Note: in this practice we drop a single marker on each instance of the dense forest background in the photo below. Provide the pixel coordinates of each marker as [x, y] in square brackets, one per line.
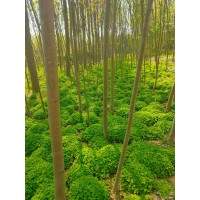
[94, 127]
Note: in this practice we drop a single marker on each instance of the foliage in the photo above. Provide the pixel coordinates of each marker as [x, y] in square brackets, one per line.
[38, 128]
[93, 130]
[32, 142]
[139, 105]
[139, 131]
[146, 117]
[37, 171]
[116, 120]
[45, 191]
[164, 125]
[70, 109]
[97, 142]
[154, 107]
[43, 153]
[39, 115]
[71, 149]
[80, 126]
[148, 197]
[132, 197]
[155, 133]
[76, 172]
[154, 158]
[93, 118]
[135, 178]
[116, 133]
[163, 188]
[88, 158]
[76, 118]
[123, 112]
[69, 100]
[88, 187]
[69, 131]
[107, 161]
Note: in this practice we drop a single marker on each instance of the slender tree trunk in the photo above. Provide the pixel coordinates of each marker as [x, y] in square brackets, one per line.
[47, 21]
[67, 41]
[172, 133]
[71, 9]
[30, 56]
[172, 93]
[134, 95]
[27, 107]
[105, 78]
[112, 56]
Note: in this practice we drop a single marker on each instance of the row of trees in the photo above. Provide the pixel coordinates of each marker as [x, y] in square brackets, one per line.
[82, 41]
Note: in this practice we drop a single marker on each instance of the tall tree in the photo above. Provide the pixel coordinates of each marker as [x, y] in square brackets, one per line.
[49, 45]
[67, 41]
[172, 93]
[30, 55]
[105, 62]
[134, 94]
[172, 133]
[75, 59]
[112, 56]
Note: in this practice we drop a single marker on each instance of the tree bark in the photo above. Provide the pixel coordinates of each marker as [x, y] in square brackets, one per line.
[29, 55]
[172, 93]
[105, 60]
[48, 36]
[172, 133]
[112, 57]
[134, 95]
[67, 41]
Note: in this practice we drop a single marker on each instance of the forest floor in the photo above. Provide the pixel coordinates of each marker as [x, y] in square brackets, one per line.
[91, 160]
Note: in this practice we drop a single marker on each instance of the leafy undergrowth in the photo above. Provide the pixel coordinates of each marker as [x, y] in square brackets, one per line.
[91, 160]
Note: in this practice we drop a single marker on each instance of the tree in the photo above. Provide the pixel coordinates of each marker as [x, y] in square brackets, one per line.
[112, 56]
[67, 41]
[49, 45]
[75, 59]
[30, 55]
[172, 93]
[172, 133]
[105, 62]
[134, 95]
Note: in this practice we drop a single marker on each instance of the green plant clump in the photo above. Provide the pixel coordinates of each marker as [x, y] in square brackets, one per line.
[45, 191]
[123, 112]
[71, 149]
[153, 157]
[88, 187]
[97, 142]
[116, 133]
[136, 179]
[38, 128]
[32, 142]
[132, 197]
[93, 130]
[37, 171]
[39, 115]
[76, 118]
[163, 188]
[93, 118]
[76, 172]
[107, 161]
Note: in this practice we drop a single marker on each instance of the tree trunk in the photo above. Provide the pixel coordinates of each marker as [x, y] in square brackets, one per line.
[67, 41]
[112, 57]
[172, 133]
[47, 21]
[105, 60]
[134, 95]
[30, 56]
[172, 93]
